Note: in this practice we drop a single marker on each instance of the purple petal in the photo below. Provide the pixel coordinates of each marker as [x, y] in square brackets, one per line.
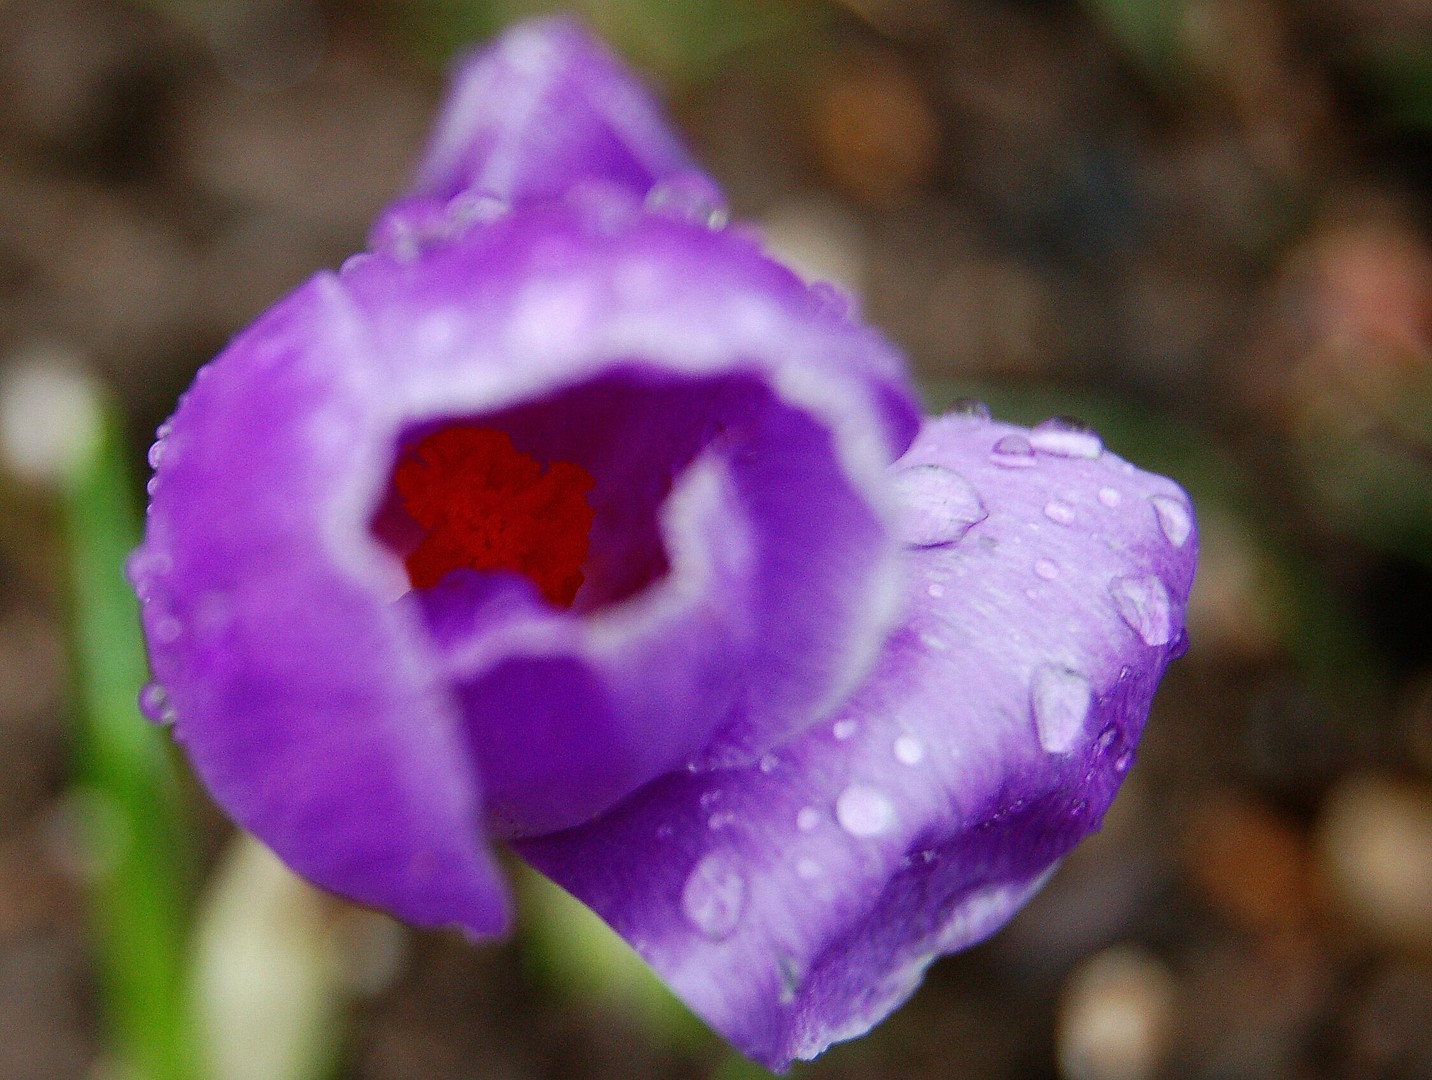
[741, 576]
[795, 902]
[542, 108]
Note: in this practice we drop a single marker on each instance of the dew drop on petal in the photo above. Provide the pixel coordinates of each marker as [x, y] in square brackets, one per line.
[154, 703]
[714, 895]
[807, 869]
[938, 505]
[1065, 437]
[768, 763]
[1013, 452]
[971, 409]
[1048, 569]
[832, 299]
[156, 452]
[936, 590]
[789, 970]
[1059, 698]
[168, 630]
[909, 750]
[1110, 497]
[689, 197]
[1123, 761]
[1061, 513]
[863, 811]
[1144, 604]
[807, 819]
[1174, 519]
[843, 729]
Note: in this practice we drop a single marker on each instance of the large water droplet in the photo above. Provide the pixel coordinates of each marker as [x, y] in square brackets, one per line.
[1059, 698]
[863, 811]
[1064, 436]
[154, 703]
[1061, 513]
[689, 197]
[938, 505]
[156, 452]
[1174, 519]
[1110, 497]
[1144, 604]
[1013, 452]
[714, 895]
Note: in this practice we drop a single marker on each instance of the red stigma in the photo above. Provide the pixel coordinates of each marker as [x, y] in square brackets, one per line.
[485, 505]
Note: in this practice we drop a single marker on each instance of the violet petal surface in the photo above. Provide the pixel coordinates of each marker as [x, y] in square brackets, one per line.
[796, 901]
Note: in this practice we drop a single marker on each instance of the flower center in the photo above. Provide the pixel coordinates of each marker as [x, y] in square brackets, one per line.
[485, 505]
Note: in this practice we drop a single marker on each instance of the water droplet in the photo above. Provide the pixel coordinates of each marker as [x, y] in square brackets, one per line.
[664, 832]
[843, 729]
[768, 763]
[970, 408]
[1065, 436]
[832, 299]
[1061, 513]
[709, 798]
[807, 869]
[1013, 452]
[151, 485]
[863, 811]
[156, 452]
[1059, 698]
[1077, 809]
[909, 750]
[788, 968]
[1048, 569]
[168, 630]
[807, 819]
[1106, 738]
[933, 642]
[1174, 519]
[1110, 497]
[720, 819]
[936, 590]
[154, 703]
[1143, 602]
[353, 262]
[689, 197]
[938, 505]
[714, 895]
[1123, 761]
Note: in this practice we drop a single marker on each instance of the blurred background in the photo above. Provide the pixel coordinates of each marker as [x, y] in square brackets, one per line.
[1202, 225]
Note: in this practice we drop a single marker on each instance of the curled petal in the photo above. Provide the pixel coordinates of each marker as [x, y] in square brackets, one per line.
[543, 108]
[741, 573]
[794, 902]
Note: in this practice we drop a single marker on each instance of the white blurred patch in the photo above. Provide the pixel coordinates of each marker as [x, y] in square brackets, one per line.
[49, 414]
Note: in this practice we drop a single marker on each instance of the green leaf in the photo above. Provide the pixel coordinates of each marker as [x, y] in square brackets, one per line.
[127, 791]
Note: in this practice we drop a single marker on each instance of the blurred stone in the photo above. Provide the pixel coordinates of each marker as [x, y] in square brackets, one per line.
[1375, 843]
[1251, 863]
[874, 132]
[1116, 1017]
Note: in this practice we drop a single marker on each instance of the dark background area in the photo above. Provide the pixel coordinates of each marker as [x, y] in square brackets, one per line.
[1200, 224]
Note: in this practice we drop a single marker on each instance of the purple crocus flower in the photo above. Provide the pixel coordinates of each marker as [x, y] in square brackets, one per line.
[568, 517]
